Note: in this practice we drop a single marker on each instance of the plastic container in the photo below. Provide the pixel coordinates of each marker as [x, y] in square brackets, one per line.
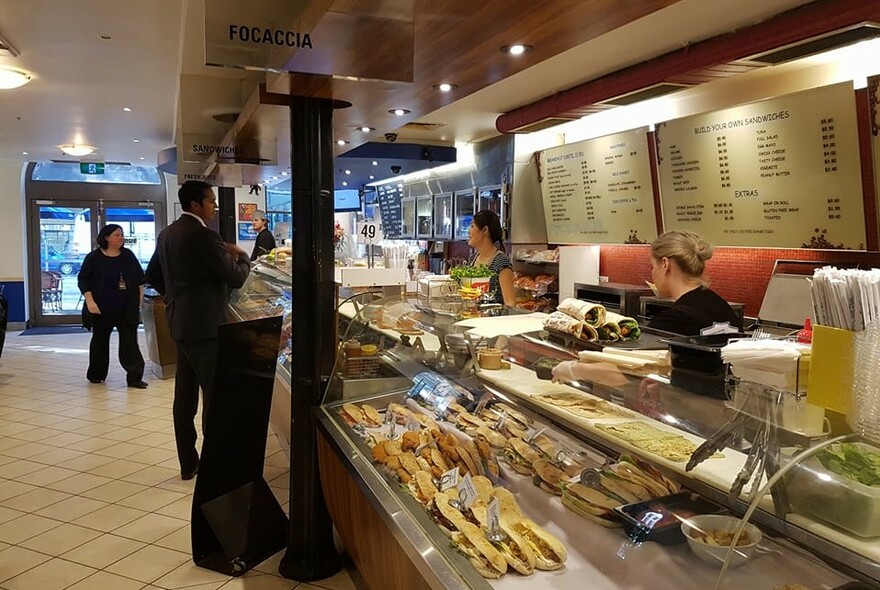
[660, 519]
[835, 499]
[717, 554]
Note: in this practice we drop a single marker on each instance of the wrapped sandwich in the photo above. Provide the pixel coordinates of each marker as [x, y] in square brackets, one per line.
[625, 327]
[514, 548]
[472, 543]
[591, 313]
[548, 476]
[566, 324]
[520, 456]
[591, 503]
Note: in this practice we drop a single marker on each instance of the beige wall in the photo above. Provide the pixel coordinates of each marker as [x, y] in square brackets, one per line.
[11, 222]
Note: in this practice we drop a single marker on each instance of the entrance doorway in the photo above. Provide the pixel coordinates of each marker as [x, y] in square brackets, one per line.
[63, 233]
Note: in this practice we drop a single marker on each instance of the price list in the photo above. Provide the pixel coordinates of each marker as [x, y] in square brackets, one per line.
[782, 172]
[599, 190]
[389, 209]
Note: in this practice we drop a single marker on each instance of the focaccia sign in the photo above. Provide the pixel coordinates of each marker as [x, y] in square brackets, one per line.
[305, 36]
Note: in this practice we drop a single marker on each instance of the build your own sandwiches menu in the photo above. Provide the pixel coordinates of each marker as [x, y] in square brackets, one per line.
[782, 172]
[599, 191]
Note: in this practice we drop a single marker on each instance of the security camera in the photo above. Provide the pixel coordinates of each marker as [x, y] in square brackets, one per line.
[390, 137]
[395, 169]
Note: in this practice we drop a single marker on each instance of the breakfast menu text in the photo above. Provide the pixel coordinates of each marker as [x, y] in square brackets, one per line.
[599, 191]
[779, 173]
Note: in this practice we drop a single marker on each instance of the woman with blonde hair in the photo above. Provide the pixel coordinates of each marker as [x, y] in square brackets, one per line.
[678, 259]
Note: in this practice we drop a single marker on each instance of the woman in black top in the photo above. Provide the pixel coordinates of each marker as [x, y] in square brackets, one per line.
[485, 236]
[112, 282]
[678, 259]
[265, 240]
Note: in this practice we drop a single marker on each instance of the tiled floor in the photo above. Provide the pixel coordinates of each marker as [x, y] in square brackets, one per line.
[90, 493]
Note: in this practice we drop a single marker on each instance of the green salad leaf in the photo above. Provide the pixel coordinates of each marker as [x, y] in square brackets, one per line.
[470, 272]
[853, 462]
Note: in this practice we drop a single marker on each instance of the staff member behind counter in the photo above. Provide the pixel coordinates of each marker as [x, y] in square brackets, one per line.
[485, 236]
[678, 259]
[265, 240]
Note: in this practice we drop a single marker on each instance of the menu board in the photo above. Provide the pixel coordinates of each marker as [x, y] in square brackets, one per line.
[388, 196]
[599, 191]
[782, 172]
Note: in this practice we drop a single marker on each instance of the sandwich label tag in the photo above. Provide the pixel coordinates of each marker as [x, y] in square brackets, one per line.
[493, 517]
[467, 491]
[449, 479]
[412, 424]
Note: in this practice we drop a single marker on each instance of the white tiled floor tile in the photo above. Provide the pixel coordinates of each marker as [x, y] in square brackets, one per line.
[211, 586]
[121, 450]
[71, 508]
[79, 483]
[154, 439]
[149, 563]
[257, 581]
[117, 469]
[109, 517]
[88, 462]
[270, 566]
[341, 581]
[152, 456]
[26, 450]
[125, 434]
[151, 499]
[113, 491]
[179, 508]
[179, 540]
[103, 551]
[7, 514]
[19, 467]
[60, 539]
[15, 560]
[24, 527]
[57, 456]
[106, 581]
[150, 527]
[150, 476]
[178, 485]
[46, 476]
[189, 574]
[55, 574]
[34, 500]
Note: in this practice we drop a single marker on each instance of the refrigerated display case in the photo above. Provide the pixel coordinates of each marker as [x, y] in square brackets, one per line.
[574, 457]
[464, 213]
[443, 216]
[407, 218]
[490, 198]
[425, 217]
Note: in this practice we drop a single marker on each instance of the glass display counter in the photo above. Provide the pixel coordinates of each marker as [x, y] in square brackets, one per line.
[579, 481]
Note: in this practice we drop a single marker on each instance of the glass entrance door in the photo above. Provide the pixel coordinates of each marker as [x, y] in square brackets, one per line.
[63, 233]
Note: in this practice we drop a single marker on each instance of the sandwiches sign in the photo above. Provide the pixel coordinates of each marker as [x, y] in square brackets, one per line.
[304, 36]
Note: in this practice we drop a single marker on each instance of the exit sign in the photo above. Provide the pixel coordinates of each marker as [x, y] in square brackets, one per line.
[91, 167]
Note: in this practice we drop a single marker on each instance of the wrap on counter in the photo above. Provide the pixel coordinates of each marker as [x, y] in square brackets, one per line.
[627, 328]
[608, 332]
[561, 322]
[591, 313]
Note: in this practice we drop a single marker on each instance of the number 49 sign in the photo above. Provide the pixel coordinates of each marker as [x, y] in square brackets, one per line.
[368, 232]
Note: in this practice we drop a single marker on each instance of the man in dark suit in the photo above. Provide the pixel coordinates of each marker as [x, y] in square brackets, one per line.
[195, 269]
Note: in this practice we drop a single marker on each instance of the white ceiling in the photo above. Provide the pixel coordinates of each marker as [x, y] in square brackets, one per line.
[81, 82]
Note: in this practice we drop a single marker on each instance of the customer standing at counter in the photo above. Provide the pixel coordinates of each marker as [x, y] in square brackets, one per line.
[112, 283]
[485, 236]
[195, 269]
[678, 259]
[265, 240]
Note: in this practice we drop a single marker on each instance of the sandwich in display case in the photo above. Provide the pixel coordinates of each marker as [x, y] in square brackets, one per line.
[480, 452]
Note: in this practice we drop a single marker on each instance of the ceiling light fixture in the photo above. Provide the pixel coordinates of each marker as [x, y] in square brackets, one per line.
[136, 140]
[445, 87]
[348, 171]
[516, 49]
[375, 163]
[10, 78]
[105, 37]
[24, 153]
[126, 109]
[77, 150]
[341, 142]
[400, 112]
[366, 129]
[344, 183]
[372, 177]
[285, 173]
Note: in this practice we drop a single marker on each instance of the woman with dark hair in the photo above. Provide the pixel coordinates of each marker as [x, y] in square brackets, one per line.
[485, 237]
[112, 283]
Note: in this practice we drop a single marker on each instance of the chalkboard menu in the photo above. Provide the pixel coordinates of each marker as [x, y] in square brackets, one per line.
[782, 172]
[389, 208]
[599, 191]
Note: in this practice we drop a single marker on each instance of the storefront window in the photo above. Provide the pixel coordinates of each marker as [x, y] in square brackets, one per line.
[112, 173]
[278, 204]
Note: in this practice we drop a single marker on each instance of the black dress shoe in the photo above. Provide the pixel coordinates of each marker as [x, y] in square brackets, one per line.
[95, 380]
[139, 384]
[188, 475]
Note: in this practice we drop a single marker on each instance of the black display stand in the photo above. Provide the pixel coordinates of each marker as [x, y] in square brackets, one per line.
[236, 520]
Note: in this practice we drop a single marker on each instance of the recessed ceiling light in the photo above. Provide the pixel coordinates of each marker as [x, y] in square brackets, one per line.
[136, 140]
[105, 37]
[285, 173]
[126, 109]
[372, 177]
[341, 142]
[400, 112]
[516, 49]
[24, 153]
[445, 87]
[142, 158]
[367, 129]
[348, 171]
[344, 183]
[375, 163]
[10, 79]
[77, 150]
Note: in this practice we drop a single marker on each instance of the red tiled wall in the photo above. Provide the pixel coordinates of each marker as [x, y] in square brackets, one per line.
[737, 274]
